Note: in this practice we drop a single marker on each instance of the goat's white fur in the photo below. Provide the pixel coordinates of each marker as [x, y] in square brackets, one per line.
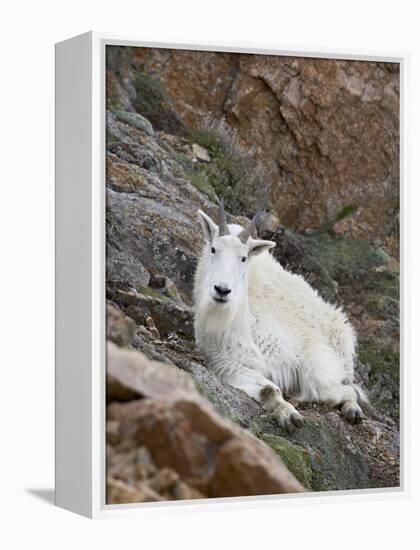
[275, 333]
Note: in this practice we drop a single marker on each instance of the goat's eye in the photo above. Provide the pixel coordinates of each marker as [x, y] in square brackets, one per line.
[243, 259]
[213, 250]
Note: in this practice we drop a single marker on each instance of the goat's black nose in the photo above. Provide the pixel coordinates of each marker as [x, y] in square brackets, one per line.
[222, 290]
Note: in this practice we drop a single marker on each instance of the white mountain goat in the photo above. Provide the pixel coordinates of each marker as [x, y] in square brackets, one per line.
[266, 331]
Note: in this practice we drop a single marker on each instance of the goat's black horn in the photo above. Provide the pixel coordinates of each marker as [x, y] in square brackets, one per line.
[223, 228]
[246, 231]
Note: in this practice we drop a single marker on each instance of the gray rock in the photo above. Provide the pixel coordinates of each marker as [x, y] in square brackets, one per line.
[230, 402]
[138, 121]
[167, 314]
[200, 153]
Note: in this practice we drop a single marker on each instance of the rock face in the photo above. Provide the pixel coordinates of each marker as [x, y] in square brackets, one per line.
[182, 439]
[324, 135]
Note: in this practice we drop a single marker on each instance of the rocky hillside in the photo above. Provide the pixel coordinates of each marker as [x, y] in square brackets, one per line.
[165, 159]
[322, 134]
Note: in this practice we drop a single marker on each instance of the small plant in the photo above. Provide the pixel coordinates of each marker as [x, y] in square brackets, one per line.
[232, 173]
[116, 59]
[346, 212]
[201, 183]
[153, 102]
[208, 138]
[328, 226]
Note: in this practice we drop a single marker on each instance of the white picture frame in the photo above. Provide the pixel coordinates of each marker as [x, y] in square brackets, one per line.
[80, 277]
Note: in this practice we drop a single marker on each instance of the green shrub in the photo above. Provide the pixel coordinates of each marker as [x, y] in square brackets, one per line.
[201, 183]
[232, 173]
[208, 138]
[153, 102]
[328, 225]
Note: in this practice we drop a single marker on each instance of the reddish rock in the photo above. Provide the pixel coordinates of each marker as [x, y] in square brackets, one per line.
[183, 431]
[120, 329]
[130, 374]
[119, 492]
[324, 131]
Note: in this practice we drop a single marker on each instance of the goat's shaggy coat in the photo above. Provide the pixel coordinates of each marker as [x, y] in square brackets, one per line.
[267, 331]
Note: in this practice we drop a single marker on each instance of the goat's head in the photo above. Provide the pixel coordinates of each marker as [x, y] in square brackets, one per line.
[227, 254]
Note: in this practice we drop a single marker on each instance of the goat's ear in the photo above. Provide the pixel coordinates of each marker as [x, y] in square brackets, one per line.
[208, 226]
[255, 247]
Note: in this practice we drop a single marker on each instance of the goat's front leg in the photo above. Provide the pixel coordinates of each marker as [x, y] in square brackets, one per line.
[268, 395]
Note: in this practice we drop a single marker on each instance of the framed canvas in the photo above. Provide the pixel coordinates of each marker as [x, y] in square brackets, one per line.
[229, 251]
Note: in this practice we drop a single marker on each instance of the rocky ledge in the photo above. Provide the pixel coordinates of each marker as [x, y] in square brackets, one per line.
[173, 430]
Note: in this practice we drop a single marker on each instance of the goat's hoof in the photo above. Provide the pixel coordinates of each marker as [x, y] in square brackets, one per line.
[352, 413]
[289, 420]
[289, 425]
[297, 420]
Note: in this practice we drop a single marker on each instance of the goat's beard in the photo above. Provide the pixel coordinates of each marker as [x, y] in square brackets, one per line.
[213, 306]
[216, 316]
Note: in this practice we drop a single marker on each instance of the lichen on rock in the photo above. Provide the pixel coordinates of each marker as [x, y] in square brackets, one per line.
[296, 458]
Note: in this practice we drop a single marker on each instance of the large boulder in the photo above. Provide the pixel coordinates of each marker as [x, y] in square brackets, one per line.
[182, 436]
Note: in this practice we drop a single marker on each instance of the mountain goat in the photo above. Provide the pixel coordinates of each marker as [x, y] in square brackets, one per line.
[267, 331]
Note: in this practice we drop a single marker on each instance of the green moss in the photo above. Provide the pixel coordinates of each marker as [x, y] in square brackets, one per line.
[347, 270]
[171, 293]
[384, 283]
[113, 103]
[296, 458]
[335, 263]
[261, 424]
[333, 462]
[339, 255]
[146, 291]
[383, 307]
[346, 212]
[381, 358]
[183, 159]
[168, 294]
